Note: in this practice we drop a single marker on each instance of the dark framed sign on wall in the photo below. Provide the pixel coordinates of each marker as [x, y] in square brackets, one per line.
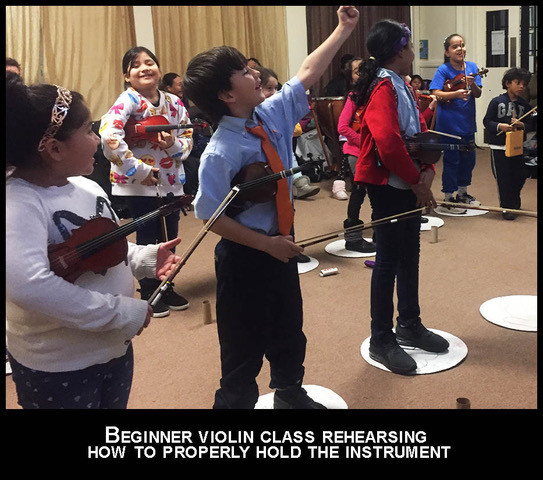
[497, 38]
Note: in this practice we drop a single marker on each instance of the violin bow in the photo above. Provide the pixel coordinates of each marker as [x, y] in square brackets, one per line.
[234, 191]
[339, 233]
[519, 119]
[488, 209]
[464, 64]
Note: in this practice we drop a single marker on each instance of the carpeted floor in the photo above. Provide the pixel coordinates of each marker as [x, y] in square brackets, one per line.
[475, 259]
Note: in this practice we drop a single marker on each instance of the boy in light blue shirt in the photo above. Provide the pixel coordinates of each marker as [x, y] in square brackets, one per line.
[259, 302]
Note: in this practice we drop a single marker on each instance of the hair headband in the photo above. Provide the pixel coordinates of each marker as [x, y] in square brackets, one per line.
[58, 114]
[402, 42]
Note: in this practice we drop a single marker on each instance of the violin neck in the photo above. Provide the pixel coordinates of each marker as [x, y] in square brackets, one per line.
[278, 175]
[164, 128]
[125, 230]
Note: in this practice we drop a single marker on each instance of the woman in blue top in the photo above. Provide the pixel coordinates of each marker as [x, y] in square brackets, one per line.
[456, 115]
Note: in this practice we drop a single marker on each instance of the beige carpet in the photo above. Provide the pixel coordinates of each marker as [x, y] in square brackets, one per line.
[475, 259]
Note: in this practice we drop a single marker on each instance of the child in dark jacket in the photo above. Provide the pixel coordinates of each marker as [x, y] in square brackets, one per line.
[502, 111]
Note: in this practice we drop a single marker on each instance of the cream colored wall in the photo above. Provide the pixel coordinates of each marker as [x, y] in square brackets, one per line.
[436, 23]
[296, 37]
[144, 27]
[295, 23]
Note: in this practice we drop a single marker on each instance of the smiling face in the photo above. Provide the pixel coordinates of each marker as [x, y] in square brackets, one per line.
[246, 92]
[456, 51]
[79, 149]
[271, 87]
[143, 74]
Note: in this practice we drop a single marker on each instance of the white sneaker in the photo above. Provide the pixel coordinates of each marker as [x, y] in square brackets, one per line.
[303, 189]
[338, 190]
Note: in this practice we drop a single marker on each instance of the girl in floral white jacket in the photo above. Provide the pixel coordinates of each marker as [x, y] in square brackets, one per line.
[144, 168]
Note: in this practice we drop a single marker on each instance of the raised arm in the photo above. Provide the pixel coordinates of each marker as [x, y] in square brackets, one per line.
[317, 61]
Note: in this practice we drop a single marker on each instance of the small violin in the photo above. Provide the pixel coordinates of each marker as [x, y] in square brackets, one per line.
[148, 128]
[427, 147]
[100, 243]
[459, 82]
[257, 185]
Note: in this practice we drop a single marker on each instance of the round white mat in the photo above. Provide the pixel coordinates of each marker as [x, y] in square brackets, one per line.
[338, 249]
[427, 362]
[470, 212]
[324, 396]
[308, 266]
[518, 312]
[432, 222]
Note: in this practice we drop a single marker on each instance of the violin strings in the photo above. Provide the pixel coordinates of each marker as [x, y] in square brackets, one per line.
[90, 245]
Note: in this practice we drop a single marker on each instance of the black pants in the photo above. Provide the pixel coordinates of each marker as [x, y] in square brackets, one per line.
[259, 313]
[510, 175]
[396, 261]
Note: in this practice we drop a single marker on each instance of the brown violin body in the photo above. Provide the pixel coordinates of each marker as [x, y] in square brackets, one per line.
[459, 82]
[148, 128]
[250, 172]
[77, 255]
[100, 243]
[428, 146]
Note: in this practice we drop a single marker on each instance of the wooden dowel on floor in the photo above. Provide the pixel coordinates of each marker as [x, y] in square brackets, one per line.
[207, 312]
[463, 403]
[434, 234]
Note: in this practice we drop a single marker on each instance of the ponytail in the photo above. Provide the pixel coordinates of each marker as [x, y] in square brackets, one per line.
[385, 39]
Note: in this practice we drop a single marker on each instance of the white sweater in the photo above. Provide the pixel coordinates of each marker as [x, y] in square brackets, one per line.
[51, 324]
[129, 166]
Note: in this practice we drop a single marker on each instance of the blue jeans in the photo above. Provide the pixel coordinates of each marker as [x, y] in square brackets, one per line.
[105, 385]
[396, 261]
[457, 166]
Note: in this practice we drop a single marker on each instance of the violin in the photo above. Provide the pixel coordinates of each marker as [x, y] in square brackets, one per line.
[427, 146]
[459, 82]
[100, 243]
[148, 128]
[261, 175]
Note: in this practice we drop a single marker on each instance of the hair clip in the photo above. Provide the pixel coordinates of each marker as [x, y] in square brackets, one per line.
[402, 42]
[58, 114]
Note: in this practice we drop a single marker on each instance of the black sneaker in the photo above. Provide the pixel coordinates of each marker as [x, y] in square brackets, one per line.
[160, 309]
[301, 258]
[392, 356]
[354, 241]
[361, 245]
[295, 398]
[421, 337]
[508, 216]
[467, 199]
[173, 300]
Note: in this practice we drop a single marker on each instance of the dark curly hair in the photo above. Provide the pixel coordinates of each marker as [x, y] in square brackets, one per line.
[28, 114]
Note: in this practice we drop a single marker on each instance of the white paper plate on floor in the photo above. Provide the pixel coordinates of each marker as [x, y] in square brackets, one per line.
[308, 266]
[470, 212]
[427, 362]
[518, 312]
[338, 249]
[432, 222]
[324, 396]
